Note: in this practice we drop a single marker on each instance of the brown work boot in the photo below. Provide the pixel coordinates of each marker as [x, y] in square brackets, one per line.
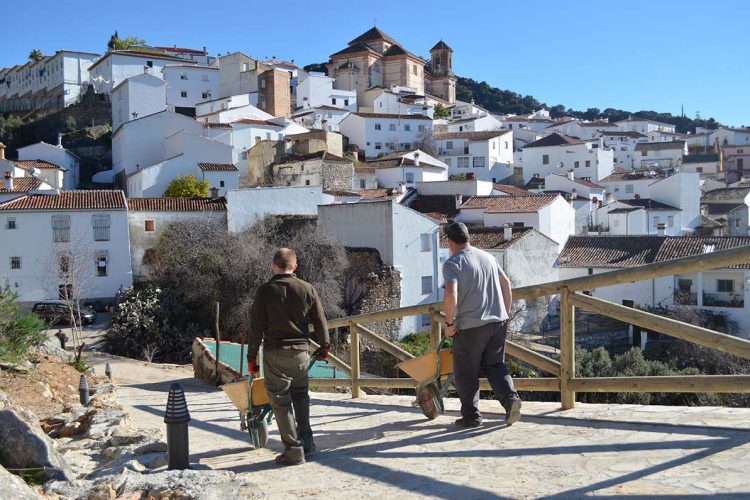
[512, 410]
[286, 460]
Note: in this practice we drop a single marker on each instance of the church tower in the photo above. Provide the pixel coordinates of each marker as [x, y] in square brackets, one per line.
[442, 81]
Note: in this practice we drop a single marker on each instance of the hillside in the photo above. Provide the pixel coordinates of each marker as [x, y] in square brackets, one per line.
[502, 101]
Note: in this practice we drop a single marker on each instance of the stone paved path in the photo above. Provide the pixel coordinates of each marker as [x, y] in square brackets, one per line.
[379, 445]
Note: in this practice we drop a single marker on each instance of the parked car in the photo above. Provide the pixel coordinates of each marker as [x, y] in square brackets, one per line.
[58, 312]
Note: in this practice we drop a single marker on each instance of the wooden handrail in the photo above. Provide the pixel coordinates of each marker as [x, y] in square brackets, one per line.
[384, 344]
[685, 331]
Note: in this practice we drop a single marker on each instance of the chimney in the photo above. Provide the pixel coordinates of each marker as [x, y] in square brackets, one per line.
[661, 229]
[59, 140]
[637, 196]
[9, 181]
[574, 194]
[571, 175]
[204, 50]
[508, 231]
[2, 151]
[416, 159]
[214, 193]
[459, 200]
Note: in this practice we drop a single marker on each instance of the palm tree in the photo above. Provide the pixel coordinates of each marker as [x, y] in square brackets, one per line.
[36, 55]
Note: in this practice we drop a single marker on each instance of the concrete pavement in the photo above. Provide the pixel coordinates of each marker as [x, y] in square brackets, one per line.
[380, 445]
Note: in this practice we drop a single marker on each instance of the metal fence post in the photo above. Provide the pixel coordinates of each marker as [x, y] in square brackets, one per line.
[108, 371]
[567, 350]
[83, 391]
[177, 417]
[354, 363]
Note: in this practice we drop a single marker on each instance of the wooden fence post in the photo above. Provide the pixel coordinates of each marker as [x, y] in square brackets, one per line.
[435, 328]
[217, 336]
[567, 350]
[354, 363]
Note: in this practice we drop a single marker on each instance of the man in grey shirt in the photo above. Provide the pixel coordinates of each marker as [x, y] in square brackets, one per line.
[477, 301]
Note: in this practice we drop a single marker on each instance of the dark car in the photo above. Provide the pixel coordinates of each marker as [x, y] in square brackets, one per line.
[58, 312]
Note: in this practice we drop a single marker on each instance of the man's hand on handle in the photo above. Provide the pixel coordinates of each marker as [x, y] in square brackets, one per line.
[450, 331]
[253, 368]
[321, 353]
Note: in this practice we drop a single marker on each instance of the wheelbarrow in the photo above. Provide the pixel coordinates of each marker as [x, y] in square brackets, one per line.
[250, 398]
[433, 373]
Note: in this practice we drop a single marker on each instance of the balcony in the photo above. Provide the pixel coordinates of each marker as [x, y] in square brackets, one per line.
[723, 299]
[685, 298]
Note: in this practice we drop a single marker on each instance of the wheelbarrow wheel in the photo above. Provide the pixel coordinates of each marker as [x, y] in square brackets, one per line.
[262, 429]
[430, 401]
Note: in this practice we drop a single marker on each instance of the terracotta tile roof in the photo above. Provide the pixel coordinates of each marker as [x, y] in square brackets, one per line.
[630, 175]
[341, 192]
[659, 146]
[471, 136]
[444, 205]
[21, 185]
[701, 158]
[395, 160]
[364, 170]
[251, 121]
[217, 167]
[650, 204]
[510, 204]
[41, 164]
[725, 194]
[216, 125]
[554, 139]
[583, 182]
[597, 124]
[69, 200]
[437, 217]
[628, 251]
[393, 117]
[516, 119]
[183, 50]
[176, 204]
[490, 238]
[508, 189]
[371, 35]
[353, 49]
[441, 45]
[375, 194]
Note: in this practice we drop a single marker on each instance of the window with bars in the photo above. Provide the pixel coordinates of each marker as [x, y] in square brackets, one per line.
[150, 225]
[15, 262]
[61, 228]
[10, 223]
[64, 265]
[101, 223]
[102, 262]
[426, 285]
[478, 161]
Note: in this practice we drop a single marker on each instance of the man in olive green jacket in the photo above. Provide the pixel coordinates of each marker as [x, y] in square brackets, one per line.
[283, 309]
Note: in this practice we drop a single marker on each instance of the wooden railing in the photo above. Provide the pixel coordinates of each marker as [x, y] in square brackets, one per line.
[563, 378]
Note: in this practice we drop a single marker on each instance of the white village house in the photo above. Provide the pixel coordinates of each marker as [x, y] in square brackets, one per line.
[486, 155]
[52, 242]
[557, 153]
[405, 168]
[376, 133]
[405, 239]
[56, 165]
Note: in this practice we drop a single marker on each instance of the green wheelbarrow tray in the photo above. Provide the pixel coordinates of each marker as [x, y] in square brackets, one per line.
[433, 373]
[250, 398]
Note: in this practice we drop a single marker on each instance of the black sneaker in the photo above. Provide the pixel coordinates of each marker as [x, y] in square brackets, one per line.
[468, 423]
[512, 411]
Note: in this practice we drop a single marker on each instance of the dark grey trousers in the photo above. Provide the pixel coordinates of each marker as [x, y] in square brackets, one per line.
[476, 351]
[287, 386]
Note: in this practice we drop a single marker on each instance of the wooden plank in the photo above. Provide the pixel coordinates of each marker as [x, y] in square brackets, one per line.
[384, 344]
[546, 384]
[354, 363]
[518, 351]
[567, 350]
[694, 263]
[681, 383]
[435, 328]
[696, 334]
[337, 362]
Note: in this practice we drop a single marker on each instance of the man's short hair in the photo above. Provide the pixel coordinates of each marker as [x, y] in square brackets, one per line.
[284, 258]
[457, 233]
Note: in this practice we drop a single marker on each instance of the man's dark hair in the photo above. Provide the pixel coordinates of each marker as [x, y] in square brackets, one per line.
[284, 258]
[457, 233]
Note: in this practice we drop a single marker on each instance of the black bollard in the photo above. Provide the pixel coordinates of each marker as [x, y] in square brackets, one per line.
[83, 391]
[108, 371]
[177, 417]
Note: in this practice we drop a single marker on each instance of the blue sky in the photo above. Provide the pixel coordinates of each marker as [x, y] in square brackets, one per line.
[630, 55]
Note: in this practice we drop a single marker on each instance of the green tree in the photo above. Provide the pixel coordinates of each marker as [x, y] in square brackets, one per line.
[187, 186]
[441, 112]
[117, 43]
[18, 332]
[36, 55]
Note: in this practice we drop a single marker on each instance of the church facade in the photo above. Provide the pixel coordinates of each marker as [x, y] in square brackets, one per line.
[374, 59]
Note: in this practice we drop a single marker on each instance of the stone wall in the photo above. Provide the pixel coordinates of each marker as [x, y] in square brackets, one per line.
[337, 175]
[371, 286]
